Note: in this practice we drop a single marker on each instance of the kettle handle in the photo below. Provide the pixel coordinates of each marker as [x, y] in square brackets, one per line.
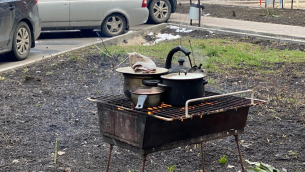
[168, 63]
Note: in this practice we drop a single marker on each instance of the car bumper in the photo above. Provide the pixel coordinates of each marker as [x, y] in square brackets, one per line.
[36, 22]
[174, 6]
[137, 16]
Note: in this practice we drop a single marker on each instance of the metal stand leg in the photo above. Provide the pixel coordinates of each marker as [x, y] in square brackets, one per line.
[241, 160]
[202, 158]
[143, 162]
[108, 163]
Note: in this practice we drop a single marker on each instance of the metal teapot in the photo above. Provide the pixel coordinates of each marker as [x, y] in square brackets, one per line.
[168, 63]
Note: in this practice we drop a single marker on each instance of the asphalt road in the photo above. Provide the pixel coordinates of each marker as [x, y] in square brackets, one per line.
[54, 42]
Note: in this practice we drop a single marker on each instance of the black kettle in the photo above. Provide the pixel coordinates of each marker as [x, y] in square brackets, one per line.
[168, 63]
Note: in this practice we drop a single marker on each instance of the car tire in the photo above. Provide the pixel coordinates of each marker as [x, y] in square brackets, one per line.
[113, 25]
[159, 11]
[22, 42]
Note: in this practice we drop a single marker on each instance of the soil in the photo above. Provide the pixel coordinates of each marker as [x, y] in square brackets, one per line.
[46, 102]
[270, 15]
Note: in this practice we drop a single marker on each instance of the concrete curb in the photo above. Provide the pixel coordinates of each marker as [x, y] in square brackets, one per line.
[107, 41]
[245, 33]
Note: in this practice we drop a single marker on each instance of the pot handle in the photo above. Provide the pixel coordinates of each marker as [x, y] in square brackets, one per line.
[141, 101]
[166, 87]
[205, 82]
[150, 82]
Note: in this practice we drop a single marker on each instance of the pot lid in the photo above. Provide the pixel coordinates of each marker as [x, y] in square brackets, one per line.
[183, 76]
[129, 70]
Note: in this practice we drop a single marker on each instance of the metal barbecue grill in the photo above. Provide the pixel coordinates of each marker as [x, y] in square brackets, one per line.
[165, 127]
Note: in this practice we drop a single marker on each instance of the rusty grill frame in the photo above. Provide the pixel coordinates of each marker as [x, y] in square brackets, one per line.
[219, 116]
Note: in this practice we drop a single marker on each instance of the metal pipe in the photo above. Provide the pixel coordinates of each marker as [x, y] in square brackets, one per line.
[199, 13]
[217, 96]
[143, 162]
[108, 163]
[240, 158]
[291, 4]
[202, 157]
[191, 21]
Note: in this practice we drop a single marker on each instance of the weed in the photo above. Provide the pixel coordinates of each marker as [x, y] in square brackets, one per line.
[212, 53]
[131, 171]
[211, 81]
[49, 73]
[292, 153]
[202, 46]
[262, 167]
[269, 12]
[171, 168]
[223, 159]
[25, 76]
[78, 59]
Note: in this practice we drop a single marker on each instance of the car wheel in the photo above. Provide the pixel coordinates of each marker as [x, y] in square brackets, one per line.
[21, 42]
[113, 25]
[159, 11]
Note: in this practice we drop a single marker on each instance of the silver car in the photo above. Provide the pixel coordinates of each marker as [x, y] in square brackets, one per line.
[112, 17]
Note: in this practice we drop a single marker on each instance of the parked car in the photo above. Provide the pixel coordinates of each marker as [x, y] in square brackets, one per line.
[112, 17]
[160, 10]
[19, 27]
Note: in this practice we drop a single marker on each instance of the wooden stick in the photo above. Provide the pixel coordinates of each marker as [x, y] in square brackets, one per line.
[56, 152]
[291, 4]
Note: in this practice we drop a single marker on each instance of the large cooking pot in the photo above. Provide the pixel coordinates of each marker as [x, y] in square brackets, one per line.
[180, 87]
[144, 97]
[134, 79]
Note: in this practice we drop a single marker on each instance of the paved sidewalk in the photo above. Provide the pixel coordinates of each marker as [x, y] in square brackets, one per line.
[246, 27]
[249, 3]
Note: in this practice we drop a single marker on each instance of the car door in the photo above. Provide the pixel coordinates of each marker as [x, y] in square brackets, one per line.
[54, 14]
[88, 12]
[7, 17]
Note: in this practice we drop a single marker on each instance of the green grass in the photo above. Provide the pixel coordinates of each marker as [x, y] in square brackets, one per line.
[267, 71]
[223, 159]
[213, 53]
[171, 168]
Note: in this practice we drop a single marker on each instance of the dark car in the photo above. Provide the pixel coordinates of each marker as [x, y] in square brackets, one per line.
[160, 10]
[19, 27]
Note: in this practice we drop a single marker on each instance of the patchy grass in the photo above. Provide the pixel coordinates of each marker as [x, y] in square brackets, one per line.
[213, 53]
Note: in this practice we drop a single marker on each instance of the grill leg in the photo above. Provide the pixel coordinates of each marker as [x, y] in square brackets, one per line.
[202, 157]
[240, 158]
[108, 163]
[143, 162]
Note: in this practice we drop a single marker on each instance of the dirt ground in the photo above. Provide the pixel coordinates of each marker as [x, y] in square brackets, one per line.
[47, 101]
[277, 15]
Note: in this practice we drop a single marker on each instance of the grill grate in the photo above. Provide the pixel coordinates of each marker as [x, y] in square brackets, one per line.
[169, 112]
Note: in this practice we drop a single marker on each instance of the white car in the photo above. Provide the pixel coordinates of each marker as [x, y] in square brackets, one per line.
[112, 17]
